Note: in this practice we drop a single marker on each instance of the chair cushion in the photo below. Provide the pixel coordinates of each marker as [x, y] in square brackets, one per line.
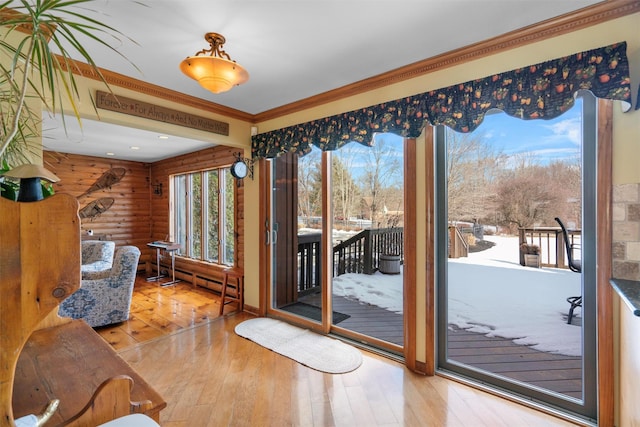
[97, 255]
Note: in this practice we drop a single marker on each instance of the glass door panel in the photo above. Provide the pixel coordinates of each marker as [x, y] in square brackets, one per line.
[296, 235]
[504, 278]
[366, 245]
[367, 239]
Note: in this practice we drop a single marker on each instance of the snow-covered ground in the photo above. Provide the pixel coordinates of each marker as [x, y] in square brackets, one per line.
[491, 293]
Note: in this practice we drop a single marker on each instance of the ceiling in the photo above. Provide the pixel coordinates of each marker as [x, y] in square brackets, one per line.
[292, 49]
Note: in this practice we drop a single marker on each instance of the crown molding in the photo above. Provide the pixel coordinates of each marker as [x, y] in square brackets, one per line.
[554, 27]
[583, 18]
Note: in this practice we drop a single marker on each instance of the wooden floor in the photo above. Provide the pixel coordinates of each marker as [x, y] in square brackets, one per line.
[209, 376]
[157, 311]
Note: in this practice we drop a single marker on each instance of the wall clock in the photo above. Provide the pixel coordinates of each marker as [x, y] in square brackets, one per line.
[239, 169]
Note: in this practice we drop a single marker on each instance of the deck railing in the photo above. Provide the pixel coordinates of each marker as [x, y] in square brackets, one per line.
[458, 245]
[309, 252]
[358, 254]
[551, 244]
[361, 253]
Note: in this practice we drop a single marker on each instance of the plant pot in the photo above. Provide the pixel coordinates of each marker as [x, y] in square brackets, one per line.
[532, 260]
[389, 264]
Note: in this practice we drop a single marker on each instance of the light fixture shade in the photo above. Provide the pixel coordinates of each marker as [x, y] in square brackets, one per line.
[213, 68]
[215, 74]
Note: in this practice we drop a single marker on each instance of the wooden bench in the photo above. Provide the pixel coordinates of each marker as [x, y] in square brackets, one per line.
[70, 362]
[45, 357]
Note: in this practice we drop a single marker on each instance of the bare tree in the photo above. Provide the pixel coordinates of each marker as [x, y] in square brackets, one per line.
[472, 167]
[309, 186]
[524, 198]
[344, 189]
[382, 171]
[566, 181]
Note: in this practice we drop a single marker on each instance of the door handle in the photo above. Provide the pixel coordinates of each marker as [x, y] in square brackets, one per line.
[274, 234]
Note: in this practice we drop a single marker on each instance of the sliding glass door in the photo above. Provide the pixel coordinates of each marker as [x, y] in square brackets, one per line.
[368, 241]
[295, 235]
[358, 190]
[505, 286]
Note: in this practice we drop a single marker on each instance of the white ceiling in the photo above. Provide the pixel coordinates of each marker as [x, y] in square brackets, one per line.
[292, 49]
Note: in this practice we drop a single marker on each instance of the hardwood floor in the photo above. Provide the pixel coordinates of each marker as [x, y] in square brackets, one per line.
[157, 311]
[209, 376]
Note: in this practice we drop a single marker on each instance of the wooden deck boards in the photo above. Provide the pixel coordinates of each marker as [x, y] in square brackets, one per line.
[559, 373]
[555, 372]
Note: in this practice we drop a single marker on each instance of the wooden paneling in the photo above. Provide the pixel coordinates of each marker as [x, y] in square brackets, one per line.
[127, 221]
[137, 215]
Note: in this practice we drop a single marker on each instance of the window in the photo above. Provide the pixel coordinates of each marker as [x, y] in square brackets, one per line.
[203, 215]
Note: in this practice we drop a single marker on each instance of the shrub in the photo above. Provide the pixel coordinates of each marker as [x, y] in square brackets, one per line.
[471, 239]
[528, 249]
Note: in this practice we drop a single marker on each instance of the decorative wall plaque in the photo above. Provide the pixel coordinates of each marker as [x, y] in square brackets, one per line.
[132, 107]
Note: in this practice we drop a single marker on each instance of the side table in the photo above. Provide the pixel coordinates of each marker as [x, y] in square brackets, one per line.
[171, 248]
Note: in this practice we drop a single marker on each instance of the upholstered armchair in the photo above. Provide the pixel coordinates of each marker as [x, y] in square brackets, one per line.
[105, 297]
[97, 255]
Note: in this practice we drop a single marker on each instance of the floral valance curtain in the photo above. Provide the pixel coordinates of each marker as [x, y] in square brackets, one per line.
[540, 91]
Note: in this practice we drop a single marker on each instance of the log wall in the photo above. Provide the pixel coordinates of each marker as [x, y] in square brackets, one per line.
[138, 215]
[127, 221]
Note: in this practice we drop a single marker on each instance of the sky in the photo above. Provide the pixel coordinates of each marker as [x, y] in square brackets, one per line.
[546, 140]
[492, 294]
[543, 140]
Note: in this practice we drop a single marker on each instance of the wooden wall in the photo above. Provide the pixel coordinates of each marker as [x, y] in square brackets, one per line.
[127, 221]
[138, 215]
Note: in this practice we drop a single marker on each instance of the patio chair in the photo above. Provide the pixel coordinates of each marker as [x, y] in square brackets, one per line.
[574, 265]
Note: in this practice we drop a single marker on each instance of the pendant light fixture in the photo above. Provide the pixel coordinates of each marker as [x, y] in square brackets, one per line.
[213, 68]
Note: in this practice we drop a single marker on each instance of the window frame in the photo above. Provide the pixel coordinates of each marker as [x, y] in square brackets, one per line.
[182, 208]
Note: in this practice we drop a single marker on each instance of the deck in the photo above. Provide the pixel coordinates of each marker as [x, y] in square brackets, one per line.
[559, 373]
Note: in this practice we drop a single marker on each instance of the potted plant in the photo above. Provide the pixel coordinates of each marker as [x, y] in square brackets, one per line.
[531, 255]
[39, 37]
